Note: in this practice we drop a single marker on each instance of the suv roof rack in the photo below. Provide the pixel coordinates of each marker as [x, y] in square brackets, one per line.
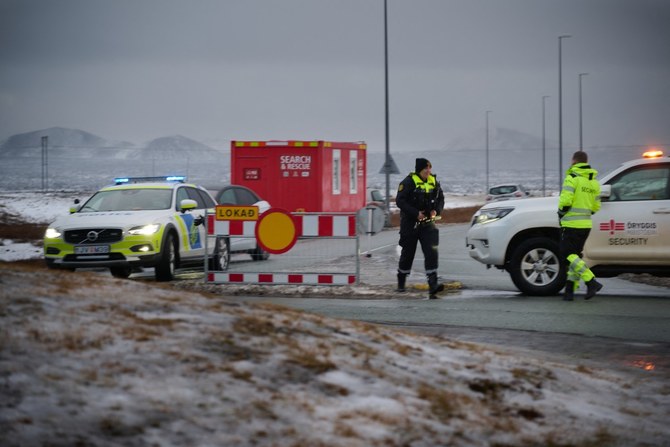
[163, 178]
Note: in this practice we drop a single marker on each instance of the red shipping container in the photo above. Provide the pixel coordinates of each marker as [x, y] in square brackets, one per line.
[302, 176]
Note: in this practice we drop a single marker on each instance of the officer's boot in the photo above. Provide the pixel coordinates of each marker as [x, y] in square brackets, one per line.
[569, 294]
[433, 286]
[401, 282]
[592, 287]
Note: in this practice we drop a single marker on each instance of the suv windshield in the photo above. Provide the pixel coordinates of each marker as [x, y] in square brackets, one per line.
[129, 200]
[507, 189]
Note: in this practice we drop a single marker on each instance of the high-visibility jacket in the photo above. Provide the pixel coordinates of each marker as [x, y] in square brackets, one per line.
[415, 195]
[580, 196]
[426, 186]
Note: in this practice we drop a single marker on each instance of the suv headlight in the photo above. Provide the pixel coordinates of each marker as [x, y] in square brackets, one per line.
[144, 230]
[52, 233]
[491, 215]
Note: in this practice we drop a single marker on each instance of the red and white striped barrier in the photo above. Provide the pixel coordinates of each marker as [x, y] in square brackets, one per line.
[307, 225]
[304, 226]
[282, 278]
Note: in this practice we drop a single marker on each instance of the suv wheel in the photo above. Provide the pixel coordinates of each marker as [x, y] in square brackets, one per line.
[536, 267]
[168, 260]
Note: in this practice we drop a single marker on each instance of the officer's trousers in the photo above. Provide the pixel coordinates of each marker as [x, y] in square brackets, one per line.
[429, 237]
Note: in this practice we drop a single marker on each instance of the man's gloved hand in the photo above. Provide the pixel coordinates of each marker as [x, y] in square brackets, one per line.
[560, 215]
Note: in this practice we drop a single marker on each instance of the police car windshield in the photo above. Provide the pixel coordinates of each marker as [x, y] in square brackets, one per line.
[129, 200]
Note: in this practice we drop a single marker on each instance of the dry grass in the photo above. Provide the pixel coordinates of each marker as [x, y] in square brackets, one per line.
[13, 227]
[444, 404]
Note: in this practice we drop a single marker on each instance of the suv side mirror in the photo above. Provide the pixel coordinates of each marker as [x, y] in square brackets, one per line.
[187, 205]
[605, 191]
[75, 208]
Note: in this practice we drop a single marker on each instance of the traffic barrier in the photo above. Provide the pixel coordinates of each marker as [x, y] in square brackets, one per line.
[308, 248]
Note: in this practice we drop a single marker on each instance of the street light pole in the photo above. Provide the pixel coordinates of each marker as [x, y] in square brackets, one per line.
[487, 151]
[544, 148]
[581, 134]
[560, 110]
[387, 163]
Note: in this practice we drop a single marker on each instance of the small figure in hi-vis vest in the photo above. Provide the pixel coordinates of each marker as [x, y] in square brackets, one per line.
[421, 201]
[579, 200]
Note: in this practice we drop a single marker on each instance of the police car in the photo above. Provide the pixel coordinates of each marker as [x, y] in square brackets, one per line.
[631, 232]
[138, 222]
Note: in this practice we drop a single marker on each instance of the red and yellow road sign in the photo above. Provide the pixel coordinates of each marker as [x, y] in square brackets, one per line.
[276, 231]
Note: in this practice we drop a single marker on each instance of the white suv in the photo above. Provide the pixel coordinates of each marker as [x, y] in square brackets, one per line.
[631, 232]
[139, 222]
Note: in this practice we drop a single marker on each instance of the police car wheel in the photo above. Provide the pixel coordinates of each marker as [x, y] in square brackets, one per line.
[168, 260]
[536, 268]
[120, 272]
[221, 255]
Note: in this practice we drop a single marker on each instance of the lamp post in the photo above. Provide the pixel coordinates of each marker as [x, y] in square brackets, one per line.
[386, 99]
[560, 110]
[581, 134]
[544, 148]
[45, 163]
[487, 151]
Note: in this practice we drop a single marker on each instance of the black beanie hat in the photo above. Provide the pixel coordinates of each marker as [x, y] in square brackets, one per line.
[421, 164]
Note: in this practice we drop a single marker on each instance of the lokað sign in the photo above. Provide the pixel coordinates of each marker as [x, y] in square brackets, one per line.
[225, 212]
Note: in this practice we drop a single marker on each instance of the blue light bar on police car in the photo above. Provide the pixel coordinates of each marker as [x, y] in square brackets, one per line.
[164, 178]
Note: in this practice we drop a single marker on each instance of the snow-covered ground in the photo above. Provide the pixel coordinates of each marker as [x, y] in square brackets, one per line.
[86, 359]
[37, 206]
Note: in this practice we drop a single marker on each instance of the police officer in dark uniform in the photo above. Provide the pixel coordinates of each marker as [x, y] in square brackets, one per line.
[420, 200]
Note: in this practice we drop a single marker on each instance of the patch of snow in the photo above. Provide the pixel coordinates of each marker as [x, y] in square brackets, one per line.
[39, 207]
[11, 251]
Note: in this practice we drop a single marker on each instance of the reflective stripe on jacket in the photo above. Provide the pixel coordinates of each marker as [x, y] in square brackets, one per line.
[427, 186]
[580, 196]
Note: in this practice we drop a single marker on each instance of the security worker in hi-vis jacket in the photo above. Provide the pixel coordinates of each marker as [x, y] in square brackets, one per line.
[580, 198]
[421, 201]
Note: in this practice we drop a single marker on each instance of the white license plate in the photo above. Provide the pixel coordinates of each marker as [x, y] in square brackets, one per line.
[91, 249]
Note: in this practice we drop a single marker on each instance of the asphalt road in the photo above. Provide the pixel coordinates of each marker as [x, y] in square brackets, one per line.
[627, 325]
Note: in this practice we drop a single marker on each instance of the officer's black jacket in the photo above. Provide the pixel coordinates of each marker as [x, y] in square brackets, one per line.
[411, 201]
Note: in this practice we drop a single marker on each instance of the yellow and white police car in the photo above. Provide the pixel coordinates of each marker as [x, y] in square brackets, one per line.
[631, 232]
[138, 222]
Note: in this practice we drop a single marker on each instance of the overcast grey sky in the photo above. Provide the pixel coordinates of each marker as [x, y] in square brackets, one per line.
[216, 70]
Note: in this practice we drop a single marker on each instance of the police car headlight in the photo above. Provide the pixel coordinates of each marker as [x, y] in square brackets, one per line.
[52, 233]
[144, 230]
[491, 215]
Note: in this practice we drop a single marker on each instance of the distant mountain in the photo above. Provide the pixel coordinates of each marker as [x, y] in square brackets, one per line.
[61, 142]
[176, 146]
[60, 137]
[499, 139]
[74, 143]
[81, 160]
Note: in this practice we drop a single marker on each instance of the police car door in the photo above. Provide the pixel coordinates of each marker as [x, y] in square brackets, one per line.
[192, 237]
[633, 225]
